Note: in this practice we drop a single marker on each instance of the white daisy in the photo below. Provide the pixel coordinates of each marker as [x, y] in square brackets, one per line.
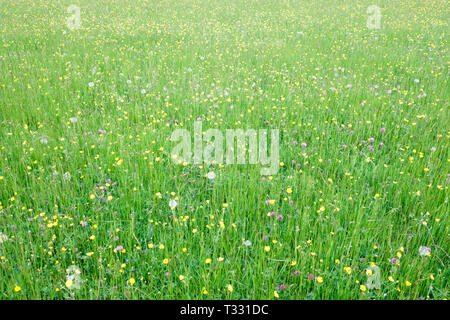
[211, 175]
[173, 204]
[424, 251]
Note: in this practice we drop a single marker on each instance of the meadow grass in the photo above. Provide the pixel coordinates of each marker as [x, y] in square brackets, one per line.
[86, 175]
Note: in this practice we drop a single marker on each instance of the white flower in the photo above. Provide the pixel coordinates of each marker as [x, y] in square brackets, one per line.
[416, 80]
[3, 237]
[211, 175]
[44, 141]
[73, 120]
[247, 243]
[424, 251]
[73, 277]
[91, 84]
[66, 176]
[143, 91]
[173, 204]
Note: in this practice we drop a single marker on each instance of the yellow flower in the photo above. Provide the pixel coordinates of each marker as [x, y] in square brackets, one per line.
[110, 198]
[293, 263]
[369, 272]
[275, 294]
[408, 284]
[363, 288]
[348, 270]
[181, 277]
[92, 196]
[230, 288]
[17, 289]
[69, 283]
[166, 261]
[131, 281]
[431, 277]
[266, 248]
[289, 190]
[319, 279]
[208, 260]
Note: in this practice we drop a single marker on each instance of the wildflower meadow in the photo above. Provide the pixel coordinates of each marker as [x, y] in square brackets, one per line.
[224, 149]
